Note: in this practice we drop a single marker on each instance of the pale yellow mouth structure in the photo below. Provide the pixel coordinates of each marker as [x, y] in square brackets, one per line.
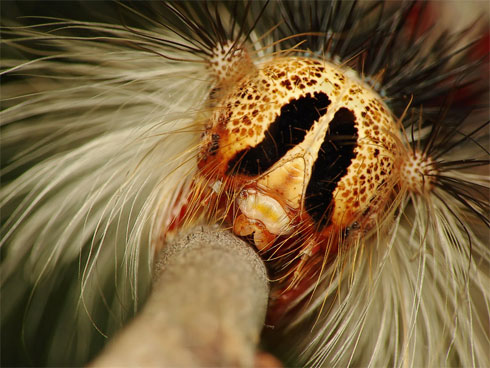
[297, 139]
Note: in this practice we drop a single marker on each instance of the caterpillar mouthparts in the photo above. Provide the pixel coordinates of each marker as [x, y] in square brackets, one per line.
[346, 143]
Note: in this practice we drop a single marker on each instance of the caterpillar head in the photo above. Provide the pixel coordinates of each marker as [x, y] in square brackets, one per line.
[299, 146]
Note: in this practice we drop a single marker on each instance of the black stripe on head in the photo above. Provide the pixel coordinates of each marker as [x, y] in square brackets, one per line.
[288, 130]
[334, 157]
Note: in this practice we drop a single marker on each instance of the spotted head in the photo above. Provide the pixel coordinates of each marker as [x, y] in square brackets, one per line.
[299, 146]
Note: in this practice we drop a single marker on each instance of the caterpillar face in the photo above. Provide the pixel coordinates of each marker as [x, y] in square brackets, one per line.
[300, 143]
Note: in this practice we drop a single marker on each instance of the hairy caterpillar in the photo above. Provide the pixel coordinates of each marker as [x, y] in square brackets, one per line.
[102, 159]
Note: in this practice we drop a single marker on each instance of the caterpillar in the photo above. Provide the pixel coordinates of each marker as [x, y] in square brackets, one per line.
[346, 142]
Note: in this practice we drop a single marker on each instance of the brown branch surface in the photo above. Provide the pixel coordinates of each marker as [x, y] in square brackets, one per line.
[207, 307]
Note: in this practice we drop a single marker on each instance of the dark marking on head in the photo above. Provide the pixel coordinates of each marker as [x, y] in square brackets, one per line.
[288, 130]
[214, 146]
[334, 158]
[350, 229]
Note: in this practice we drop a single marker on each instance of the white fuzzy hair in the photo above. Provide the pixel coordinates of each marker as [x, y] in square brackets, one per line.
[111, 140]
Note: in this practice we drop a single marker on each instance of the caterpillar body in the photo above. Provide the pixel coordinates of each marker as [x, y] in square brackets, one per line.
[347, 142]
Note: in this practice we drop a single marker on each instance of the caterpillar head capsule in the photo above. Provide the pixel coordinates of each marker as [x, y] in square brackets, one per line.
[299, 146]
